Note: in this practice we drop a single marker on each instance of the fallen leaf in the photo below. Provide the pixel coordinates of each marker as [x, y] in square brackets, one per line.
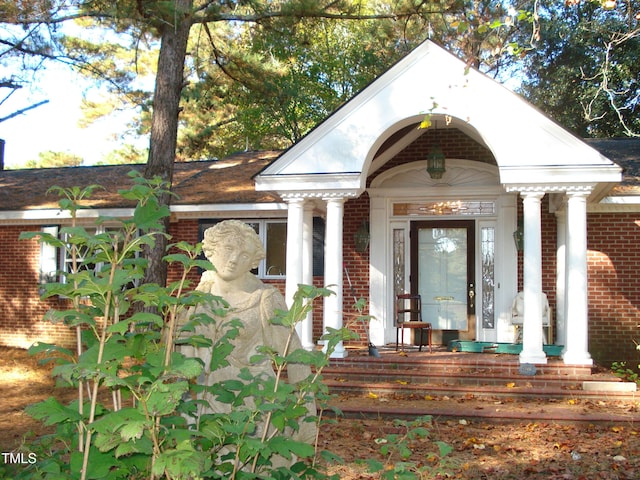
[372, 395]
[511, 385]
[402, 382]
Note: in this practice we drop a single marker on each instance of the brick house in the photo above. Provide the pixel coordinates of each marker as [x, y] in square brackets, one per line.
[365, 203]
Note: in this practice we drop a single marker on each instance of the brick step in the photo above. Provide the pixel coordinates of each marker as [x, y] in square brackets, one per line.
[463, 364]
[471, 377]
[491, 375]
[511, 390]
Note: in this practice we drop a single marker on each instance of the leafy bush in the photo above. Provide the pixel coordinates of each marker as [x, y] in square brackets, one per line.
[134, 415]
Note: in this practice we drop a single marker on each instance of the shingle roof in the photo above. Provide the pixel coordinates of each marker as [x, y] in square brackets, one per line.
[195, 183]
[626, 153]
[225, 181]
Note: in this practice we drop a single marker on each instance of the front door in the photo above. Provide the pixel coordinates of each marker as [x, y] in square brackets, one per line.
[442, 272]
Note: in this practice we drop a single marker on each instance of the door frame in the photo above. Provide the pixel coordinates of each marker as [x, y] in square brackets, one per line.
[472, 290]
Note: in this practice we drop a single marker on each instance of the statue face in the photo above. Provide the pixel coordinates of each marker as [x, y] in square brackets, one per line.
[232, 259]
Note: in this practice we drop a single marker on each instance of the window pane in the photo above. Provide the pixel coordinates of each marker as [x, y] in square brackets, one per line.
[398, 261]
[488, 247]
[276, 249]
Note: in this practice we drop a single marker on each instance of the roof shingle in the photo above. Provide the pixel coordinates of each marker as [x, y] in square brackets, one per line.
[194, 183]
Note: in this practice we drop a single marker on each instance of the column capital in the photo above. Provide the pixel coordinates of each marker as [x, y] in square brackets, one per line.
[294, 200]
[578, 194]
[533, 194]
[334, 199]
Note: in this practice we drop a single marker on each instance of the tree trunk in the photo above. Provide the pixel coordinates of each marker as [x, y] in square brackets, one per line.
[164, 121]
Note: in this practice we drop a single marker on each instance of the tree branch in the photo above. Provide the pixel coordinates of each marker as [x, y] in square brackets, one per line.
[23, 110]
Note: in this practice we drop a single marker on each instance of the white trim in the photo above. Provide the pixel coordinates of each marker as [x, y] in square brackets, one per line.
[616, 204]
[36, 217]
[227, 207]
[56, 215]
[309, 182]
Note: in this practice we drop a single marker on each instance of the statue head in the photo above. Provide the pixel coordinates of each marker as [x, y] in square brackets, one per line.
[236, 235]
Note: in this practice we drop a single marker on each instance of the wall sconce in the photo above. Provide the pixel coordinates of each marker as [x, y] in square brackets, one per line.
[518, 238]
[361, 237]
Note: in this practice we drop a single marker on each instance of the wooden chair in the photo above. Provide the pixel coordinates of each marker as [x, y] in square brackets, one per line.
[409, 315]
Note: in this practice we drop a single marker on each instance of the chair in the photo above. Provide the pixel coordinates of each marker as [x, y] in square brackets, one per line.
[409, 315]
[517, 317]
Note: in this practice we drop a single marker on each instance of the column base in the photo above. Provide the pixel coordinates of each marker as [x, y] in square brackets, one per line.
[339, 352]
[535, 358]
[581, 358]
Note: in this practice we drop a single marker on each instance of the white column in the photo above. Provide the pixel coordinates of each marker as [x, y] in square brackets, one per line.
[561, 278]
[295, 216]
[305, 328]
[333, 269]
[532, 351]
[576, 351]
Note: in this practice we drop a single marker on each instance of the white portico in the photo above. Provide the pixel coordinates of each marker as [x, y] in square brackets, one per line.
[516, 152]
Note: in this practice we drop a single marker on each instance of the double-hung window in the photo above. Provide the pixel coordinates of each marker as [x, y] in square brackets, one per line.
[273, 233]
[56, 263]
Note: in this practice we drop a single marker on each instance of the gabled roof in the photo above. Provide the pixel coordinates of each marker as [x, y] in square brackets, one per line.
[226, 181]
[527, 145]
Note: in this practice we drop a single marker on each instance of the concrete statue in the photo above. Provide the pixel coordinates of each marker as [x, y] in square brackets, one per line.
[235, 249]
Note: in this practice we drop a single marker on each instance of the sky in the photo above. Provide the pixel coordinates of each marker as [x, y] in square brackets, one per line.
[54, 126]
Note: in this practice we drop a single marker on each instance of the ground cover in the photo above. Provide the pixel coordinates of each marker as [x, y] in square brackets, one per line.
[482, 448]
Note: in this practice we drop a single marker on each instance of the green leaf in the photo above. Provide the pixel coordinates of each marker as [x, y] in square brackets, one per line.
[182, 462]
[138, 318]
[186, 367]
[165, 397]
[285, 446]
[52, 412]
[148, 216]
[106, 441]
[374, 465]
[49, 349]
[134, 430]
[445, 448]
[143, 445]
[100, 464]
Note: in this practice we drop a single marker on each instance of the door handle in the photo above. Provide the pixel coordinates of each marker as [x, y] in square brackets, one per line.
[472, 295]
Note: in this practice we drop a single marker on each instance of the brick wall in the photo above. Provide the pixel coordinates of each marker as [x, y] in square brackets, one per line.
[454, 144]
[356, 264]
[183, 231]
[613, 241]
[21, 310]
[613, 265]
